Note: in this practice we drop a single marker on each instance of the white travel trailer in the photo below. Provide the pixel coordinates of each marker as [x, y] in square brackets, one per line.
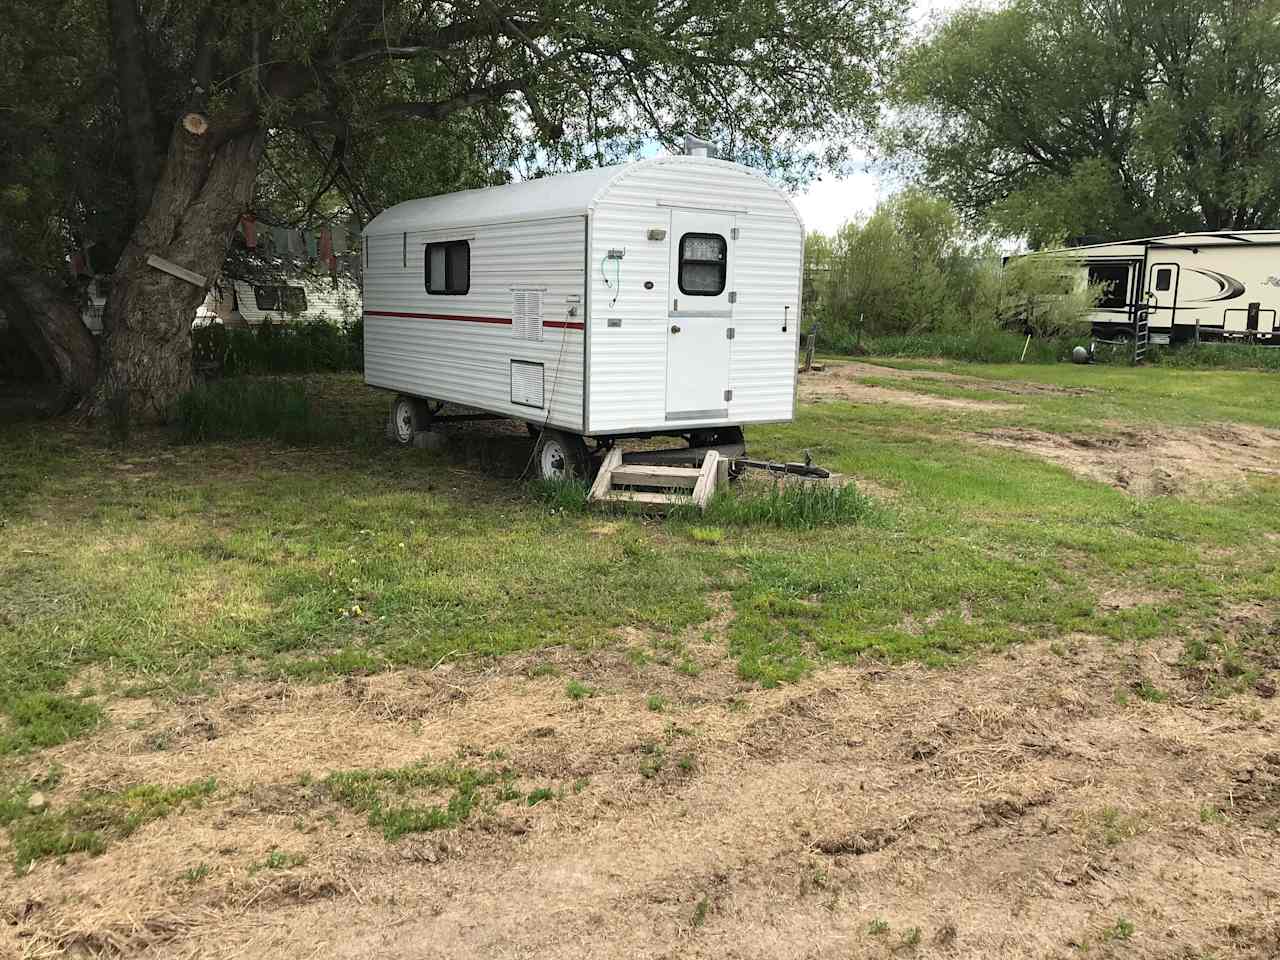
[1214, 286]
[300, 299]
[655, 298]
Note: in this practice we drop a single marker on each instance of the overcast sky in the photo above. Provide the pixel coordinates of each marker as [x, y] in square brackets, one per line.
[828, 203]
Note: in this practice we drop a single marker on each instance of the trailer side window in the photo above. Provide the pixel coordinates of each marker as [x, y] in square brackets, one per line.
[1114, 280]
[280, 297]
[704, 261]
[448, 267]
[1164, 279]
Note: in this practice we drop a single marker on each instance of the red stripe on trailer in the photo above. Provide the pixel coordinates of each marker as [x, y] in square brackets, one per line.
[553, 324]
[437, 316]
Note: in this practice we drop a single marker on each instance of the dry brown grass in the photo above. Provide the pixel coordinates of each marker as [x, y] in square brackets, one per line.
[1010, 809]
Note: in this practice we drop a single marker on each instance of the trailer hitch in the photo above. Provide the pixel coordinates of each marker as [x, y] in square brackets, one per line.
[806, 469]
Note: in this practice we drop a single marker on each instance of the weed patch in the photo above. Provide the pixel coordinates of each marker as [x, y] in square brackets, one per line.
[246, 409]
[39, 720]
[420, 798]
[792, 506]
[89, 824]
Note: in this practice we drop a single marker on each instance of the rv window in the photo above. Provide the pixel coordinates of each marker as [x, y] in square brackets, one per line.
[1114, 280]
[448, 267]
[1164, 280]
[703, 264]
[292, 300]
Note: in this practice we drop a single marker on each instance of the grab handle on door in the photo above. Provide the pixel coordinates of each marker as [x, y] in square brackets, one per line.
[786, 313]
[675, 328]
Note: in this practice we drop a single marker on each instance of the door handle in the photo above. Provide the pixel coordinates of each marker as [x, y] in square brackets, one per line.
[675, 328]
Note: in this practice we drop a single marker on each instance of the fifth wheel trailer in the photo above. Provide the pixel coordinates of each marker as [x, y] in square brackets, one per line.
[655, 298]
[1214, 286]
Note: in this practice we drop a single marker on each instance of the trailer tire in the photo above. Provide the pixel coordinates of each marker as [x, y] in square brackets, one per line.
[561, 456]
[408, 417]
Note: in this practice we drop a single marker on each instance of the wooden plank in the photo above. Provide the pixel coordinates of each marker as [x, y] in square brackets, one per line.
[707, 482]
[628, 496]
[644, 476]
[182, 273]
[604, 479]
[664, 499]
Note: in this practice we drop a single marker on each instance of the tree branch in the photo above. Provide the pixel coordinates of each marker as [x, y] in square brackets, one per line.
[129, 53]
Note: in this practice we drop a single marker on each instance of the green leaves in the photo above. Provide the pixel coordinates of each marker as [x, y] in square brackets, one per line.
[1103, 120]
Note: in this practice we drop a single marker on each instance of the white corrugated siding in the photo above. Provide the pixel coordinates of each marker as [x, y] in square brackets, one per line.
[522, 237]
[627, 389]
[468, 361]
[339, 305]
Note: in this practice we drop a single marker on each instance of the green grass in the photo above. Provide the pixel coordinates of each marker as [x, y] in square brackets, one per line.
[253, 409]
[91, 822]
[44, 719]
[419, 798]
[170, 567]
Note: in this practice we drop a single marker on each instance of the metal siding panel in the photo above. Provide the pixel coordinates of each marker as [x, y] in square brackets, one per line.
[467, 362]
[628, 363]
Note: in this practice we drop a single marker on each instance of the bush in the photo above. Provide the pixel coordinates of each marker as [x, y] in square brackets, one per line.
[316, 346]
[242, 409]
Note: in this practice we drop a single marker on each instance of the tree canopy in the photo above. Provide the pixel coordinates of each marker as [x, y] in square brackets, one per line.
[146, 127]
[1098, 119]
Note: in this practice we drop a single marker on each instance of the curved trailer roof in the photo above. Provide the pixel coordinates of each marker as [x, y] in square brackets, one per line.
[563, 195]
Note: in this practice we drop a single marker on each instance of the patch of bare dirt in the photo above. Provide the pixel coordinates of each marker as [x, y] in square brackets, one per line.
[1156, 462]
[1013, 808]
[840, 381]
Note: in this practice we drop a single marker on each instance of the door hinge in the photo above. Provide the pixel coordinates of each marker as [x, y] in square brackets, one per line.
[733, 234]
[733, 296]
[729, 334]
[728, 395]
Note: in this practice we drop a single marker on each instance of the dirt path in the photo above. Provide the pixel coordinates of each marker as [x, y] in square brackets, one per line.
[1013, 808]
[839, 381]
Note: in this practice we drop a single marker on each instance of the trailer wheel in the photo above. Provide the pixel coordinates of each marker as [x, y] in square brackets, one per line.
[408, 416]
[561, 456]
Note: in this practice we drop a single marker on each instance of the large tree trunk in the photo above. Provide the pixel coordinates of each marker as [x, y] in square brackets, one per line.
[49, 322]
[205, 184]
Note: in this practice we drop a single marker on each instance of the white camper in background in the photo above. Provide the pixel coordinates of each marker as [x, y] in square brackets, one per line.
[1217, 286]
[655, 298]
[302, 299]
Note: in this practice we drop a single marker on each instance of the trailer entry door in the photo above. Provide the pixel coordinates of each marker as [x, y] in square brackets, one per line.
[1162, 285]
[700, 315]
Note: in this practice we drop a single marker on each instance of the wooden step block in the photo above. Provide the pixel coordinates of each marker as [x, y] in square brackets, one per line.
[652, 476]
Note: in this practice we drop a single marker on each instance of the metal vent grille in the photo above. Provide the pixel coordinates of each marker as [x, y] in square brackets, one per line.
[526, 314]
[527, 384]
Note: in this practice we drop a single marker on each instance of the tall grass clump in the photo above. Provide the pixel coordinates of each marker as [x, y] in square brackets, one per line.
[243, 409]
[561, 496]
[1216, 356]
[793, 506]
[316, 346]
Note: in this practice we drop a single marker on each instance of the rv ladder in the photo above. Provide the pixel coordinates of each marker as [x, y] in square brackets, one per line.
[1141, 334]
[656, 485]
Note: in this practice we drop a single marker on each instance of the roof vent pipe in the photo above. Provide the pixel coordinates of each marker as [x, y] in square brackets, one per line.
[697, 147]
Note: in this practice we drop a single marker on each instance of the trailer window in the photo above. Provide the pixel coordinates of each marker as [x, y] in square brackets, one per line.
[448, 267]
[1114, 280]
[703, 264]
[280, 297]
[1164, 280]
